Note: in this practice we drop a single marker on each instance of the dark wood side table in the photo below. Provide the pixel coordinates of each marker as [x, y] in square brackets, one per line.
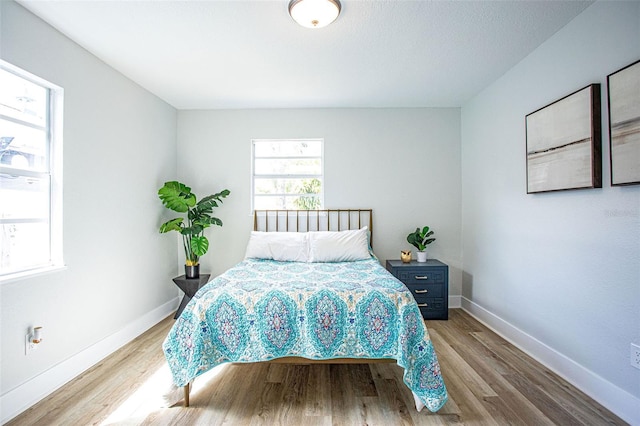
[190, 286]
[429, 283]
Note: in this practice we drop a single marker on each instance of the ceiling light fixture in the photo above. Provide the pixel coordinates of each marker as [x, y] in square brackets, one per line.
[314, 13]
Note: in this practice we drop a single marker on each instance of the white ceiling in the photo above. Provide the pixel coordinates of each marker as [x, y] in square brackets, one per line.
[251, 54]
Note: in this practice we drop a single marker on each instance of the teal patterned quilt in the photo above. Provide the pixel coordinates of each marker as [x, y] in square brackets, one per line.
[263, 309]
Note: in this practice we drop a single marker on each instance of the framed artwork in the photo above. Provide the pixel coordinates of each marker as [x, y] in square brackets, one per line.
[564, 143]
[624, 124]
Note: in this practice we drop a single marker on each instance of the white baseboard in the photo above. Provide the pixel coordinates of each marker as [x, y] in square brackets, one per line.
[455, 302]
[24, 396]
[620, 402]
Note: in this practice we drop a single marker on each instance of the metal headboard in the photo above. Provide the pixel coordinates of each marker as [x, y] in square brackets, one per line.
[313, 220]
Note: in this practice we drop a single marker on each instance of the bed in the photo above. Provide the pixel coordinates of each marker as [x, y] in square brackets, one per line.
[309, 290]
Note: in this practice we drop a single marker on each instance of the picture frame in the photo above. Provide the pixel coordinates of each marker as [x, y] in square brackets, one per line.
[623, 88]
[563, 143]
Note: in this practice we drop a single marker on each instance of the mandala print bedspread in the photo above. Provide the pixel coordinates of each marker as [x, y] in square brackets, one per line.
[262, 309]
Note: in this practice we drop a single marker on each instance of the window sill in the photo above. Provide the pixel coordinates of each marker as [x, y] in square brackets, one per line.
[32, 273]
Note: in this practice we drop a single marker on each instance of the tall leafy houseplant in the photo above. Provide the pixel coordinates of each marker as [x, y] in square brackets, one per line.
[178, 197]
[420, 239]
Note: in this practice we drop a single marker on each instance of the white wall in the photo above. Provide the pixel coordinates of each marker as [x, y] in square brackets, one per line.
[564, 267]
[119, 146]
[403, 163]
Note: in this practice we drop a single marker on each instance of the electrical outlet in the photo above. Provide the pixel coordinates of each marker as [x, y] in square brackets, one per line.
[29, 345]
[635, 355]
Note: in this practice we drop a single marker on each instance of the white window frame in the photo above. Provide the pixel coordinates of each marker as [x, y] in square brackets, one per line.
[254, 176]
[54, 126]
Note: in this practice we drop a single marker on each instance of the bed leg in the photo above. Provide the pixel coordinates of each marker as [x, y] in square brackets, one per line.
[187, 390]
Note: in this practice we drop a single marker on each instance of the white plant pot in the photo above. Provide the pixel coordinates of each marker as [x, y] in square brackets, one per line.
[422, 256]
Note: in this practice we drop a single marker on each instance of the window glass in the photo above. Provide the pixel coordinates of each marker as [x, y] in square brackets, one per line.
[288, 148]
[22, 99]
[30, 176]
[23, 147]
[280, 166]
[24, 246]
[24, 197]
[287, 174]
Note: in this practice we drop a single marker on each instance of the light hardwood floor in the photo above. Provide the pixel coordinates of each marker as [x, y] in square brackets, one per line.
[490, 382]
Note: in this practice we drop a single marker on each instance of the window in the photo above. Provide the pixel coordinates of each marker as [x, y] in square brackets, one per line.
[287, 174]
[30, 173]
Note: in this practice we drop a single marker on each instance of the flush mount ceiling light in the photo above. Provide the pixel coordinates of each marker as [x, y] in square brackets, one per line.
[314, 13]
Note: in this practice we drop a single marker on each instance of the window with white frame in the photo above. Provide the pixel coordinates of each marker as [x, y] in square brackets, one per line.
[287, 174]
[30, 173]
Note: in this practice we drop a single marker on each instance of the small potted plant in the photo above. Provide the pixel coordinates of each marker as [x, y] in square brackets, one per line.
[420, 240]
[178, 197]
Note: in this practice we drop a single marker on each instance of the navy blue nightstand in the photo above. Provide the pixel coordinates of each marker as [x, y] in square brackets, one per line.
[429, 284]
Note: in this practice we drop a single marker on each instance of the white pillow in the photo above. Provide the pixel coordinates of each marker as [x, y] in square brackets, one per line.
[339, 246]
[284, 246]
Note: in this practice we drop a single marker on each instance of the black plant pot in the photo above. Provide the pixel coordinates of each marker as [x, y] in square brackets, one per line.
[192, 271]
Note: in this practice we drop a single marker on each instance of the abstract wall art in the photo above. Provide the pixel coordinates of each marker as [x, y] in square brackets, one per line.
[623, 87]
[564, 143]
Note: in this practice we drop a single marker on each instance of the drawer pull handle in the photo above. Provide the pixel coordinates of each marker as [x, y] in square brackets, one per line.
[421, 291]
[422, 277]
[423, 305]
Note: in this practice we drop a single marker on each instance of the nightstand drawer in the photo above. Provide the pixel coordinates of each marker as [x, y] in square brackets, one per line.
[426, 290]
[432, 308]
[420, 276]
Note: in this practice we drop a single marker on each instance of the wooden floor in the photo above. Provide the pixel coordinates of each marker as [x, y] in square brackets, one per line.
[490, 382]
